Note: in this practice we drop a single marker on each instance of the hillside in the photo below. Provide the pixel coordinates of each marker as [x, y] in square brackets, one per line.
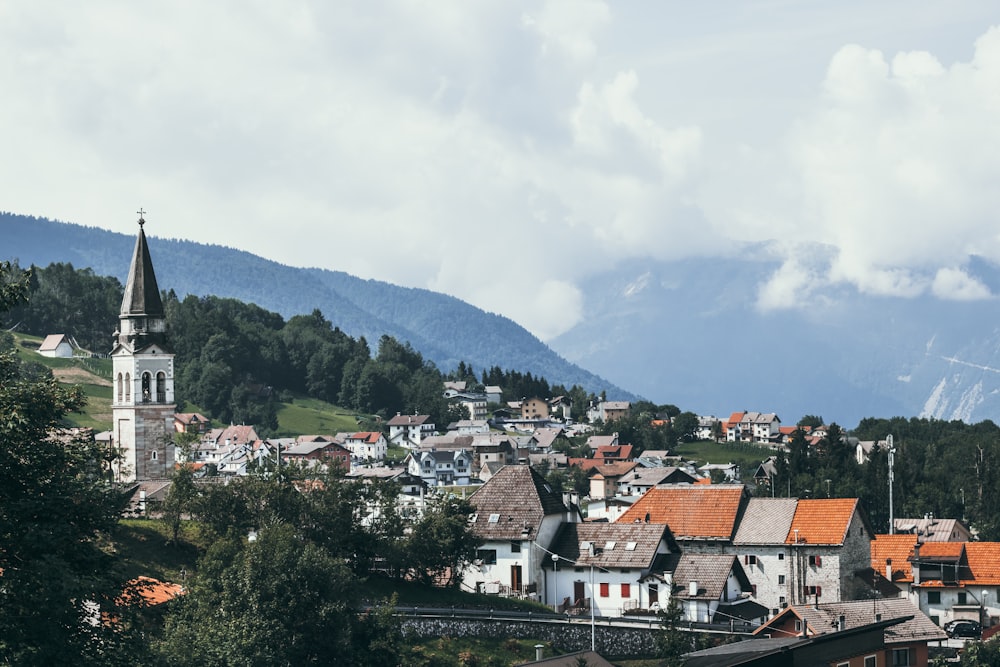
[444, 329]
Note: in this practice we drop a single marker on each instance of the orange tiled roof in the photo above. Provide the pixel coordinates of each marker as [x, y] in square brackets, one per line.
[984, 561]
[736, 417]
[898, 548]
[821, 520]
[947, 550]
[154, 592]
[691, 510]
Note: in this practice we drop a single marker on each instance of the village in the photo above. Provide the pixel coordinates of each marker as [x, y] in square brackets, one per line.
[649, 532]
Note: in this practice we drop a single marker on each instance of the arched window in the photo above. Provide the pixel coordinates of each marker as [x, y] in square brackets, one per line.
[146, 391]
[119, 387]
[128, 387]
[153, 455]
[161, 387]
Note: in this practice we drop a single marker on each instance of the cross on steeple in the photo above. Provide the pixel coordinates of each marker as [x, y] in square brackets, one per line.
[142, 221]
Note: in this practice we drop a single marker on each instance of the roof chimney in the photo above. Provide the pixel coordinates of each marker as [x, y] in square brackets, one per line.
[841, 623]
[916, 563]
[888, 569]
[693, 589]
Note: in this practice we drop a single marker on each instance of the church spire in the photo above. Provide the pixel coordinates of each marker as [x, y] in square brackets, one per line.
[142, 296]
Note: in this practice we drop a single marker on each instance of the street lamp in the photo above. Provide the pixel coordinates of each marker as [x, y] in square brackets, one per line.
[555, 583]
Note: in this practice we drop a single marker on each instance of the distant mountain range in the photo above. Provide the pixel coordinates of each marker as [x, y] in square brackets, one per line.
[684, 332]
[442, 328]
[689, 332]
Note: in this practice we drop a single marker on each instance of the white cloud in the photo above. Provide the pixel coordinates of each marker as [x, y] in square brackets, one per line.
[957, 285]
[443, 145]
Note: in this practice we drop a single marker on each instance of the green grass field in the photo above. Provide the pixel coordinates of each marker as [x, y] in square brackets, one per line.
[705, 451]
[309, 416]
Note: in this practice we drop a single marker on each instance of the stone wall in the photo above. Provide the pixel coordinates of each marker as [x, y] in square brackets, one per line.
[564, 637]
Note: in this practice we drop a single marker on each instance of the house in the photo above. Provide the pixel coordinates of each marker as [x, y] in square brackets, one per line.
[604, 565]
[863, 449]
[56, 345]
[595, 442]
[409, 430]
[702, 518]
[191, 422]
[727, 472]
[517, 515]
[546, 437]
[367, 446]
[609, 453]
[799, 551]
[766, 472]
[948, 581]
[930, 529]
[494, 395]
[640, 479]
[903, 643]
[753, 427]
[494, 449]
[608, 509]
[561, 407]
[609, 411]
[534, 408]
[440, 467]
[709, 586]
[473, 402]
[708, 428]
[859, 647]
[318, 453]
[605, 477]
[470, 427]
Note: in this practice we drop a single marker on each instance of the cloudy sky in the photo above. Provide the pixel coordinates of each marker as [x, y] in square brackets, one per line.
[502, 151]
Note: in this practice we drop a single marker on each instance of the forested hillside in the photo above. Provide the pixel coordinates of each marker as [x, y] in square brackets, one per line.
[234, 359]
[443, 329]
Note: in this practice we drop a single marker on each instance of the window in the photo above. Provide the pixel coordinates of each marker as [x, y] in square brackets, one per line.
[161, 387]
[781, 580]
[515, 547]
[962, 598]
[900, 657]
[119, 387]
[753, 589]
[487, 556]
[933, 597]
[814, 590]
[630, 546]
[494, 518]
[128, 387]
[843, 664]
[870, 661]
[153, 455]
[816, 561]
[626, 590]
[605, 589]
[781, 556]
[609, 545]
[749, 559]
[798, 626]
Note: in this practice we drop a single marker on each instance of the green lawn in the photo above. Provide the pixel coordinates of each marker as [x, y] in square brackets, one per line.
[705, 451]
[309, 416]
[143, 548]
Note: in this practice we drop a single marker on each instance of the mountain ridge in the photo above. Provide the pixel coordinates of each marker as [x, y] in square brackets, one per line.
[443, 328]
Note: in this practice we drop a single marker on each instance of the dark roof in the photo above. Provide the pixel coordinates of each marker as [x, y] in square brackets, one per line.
[710, 571]
[517, 498]
[142, 296]
[631, 545]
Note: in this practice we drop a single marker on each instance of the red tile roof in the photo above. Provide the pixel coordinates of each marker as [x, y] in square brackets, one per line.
[821, 520]
[942, 550]
[898, 548]
[153, 591]
[691, 510]
[984, 561]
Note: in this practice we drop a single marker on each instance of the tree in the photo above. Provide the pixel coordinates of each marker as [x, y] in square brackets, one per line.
[671, 641]
[278, 601]
[57, 508]
[441, 541]
[180, 499]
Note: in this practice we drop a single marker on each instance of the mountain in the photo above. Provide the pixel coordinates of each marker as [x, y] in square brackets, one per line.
[442, 328]
[688, 332]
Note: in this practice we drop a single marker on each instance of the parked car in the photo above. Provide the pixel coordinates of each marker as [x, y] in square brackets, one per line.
[964, 629]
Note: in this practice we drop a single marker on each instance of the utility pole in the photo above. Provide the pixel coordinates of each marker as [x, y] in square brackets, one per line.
[892, 460]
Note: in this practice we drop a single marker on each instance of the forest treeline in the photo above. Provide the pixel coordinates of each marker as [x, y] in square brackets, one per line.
[235, 360]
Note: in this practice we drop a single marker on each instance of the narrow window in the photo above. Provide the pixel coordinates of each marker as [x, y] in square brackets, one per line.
[120, 388]
[626, 590]
[128, 387]
[605, 589]
[161, 387]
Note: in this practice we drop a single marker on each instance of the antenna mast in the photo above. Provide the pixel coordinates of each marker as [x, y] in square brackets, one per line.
[892, 460]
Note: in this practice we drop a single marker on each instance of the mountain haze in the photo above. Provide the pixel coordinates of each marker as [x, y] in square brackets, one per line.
[443, 329]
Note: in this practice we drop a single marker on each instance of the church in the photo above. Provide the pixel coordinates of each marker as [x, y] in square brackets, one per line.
[143, 376]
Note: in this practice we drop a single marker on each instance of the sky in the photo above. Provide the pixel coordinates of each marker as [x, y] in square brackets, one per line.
[503, 152]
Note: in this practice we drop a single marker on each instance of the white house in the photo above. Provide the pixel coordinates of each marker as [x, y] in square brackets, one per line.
[440, 467]
[517, 516]
[56, 345]
[367, 446]
[607, 565]
[408, 430]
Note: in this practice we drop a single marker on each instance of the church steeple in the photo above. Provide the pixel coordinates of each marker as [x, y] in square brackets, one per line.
[142, 296]
[143, 367]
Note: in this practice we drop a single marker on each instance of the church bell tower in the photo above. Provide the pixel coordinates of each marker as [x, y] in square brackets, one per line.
[143, 376]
